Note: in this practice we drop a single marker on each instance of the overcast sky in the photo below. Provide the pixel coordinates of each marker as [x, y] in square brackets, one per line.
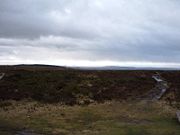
[90, 32]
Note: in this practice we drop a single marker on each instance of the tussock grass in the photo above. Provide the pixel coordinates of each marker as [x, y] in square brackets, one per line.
[109, 118]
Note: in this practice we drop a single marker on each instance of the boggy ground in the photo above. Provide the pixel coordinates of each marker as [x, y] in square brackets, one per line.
[108, 118]
[60, 101]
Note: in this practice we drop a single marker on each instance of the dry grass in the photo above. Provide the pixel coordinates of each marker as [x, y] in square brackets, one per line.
[110, 118]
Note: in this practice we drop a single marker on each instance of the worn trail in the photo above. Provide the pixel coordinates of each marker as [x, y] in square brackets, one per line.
[2, 75]
[159, 90]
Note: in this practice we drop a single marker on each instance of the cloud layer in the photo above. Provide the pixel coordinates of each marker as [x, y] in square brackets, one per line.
[67, 31]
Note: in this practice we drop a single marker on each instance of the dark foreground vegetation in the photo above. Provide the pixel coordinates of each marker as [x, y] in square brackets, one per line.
[57, 84]
[62, 101]
[72, 86]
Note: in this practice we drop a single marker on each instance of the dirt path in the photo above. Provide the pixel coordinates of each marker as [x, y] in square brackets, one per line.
[178, 115]
[159, 90]
[2, 75]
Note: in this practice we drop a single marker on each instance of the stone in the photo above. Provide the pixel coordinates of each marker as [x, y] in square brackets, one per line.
[178, 115]
[2, 75]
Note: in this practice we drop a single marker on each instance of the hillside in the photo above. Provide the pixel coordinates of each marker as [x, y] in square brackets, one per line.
[57, 84]
[51, 100]
[67, 85]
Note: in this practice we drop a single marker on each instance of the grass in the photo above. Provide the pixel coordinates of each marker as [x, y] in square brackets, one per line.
[110, 118]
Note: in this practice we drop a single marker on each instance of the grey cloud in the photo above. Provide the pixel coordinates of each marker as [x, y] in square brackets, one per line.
[117, 30]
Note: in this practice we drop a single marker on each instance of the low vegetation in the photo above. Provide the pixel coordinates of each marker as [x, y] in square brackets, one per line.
[70, 86]
[60, 101]
[109, 118]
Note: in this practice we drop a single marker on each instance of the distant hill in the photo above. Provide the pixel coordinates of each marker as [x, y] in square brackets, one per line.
[31, 67]
[54, 67]
[125, 68]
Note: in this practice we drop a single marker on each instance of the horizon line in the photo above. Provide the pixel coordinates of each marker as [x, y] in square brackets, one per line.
[96, 64]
